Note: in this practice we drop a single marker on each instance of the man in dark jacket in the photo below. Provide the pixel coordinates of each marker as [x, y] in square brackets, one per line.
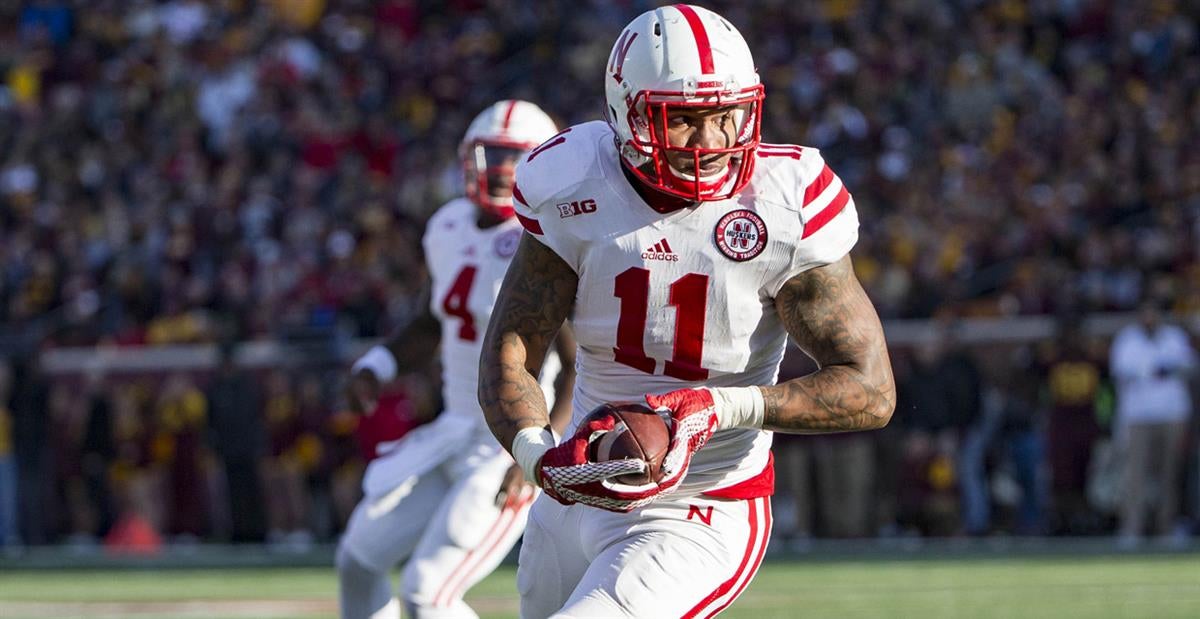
[238, 438]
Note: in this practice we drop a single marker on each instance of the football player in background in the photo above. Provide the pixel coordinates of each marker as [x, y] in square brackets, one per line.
[689, 252]
[446, 497]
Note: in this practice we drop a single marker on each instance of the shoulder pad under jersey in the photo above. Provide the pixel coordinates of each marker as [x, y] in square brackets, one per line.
[559, 165]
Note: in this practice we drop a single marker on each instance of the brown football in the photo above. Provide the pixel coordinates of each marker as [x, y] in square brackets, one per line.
[639, 433]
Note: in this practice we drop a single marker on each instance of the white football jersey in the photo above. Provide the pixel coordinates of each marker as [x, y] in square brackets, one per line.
[684, 299]
[467, 265]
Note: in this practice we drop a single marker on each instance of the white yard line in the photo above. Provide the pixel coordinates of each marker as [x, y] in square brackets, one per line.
[188, 609]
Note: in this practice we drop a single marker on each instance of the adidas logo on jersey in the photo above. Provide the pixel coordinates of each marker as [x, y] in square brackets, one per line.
[660, 251]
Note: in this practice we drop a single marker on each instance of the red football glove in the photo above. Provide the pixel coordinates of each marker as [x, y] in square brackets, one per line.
[695, 419]
[569, 477]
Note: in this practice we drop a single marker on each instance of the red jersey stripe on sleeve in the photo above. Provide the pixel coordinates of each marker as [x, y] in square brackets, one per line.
[517, 195]
[817, 186]
[530, 224]
[816, 223]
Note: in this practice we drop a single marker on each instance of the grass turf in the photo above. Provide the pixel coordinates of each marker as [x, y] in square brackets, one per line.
[1025, 588]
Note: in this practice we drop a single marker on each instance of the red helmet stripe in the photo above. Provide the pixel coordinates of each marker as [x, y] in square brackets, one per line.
[517, 195]
[619, 55]
[512, 105]
[616, 51]
[698, 31]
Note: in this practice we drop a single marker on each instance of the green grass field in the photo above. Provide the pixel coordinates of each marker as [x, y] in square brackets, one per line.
[1026, 588]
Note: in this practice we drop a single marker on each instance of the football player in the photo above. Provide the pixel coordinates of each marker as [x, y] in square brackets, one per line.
[688, 252]
[446, 498]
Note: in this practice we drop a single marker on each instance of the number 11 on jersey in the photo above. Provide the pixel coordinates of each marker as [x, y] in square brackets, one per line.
[689, 296]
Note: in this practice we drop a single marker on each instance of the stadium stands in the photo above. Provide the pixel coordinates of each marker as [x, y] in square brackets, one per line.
[191, 172]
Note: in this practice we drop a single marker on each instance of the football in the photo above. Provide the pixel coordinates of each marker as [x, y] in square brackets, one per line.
[639, 433]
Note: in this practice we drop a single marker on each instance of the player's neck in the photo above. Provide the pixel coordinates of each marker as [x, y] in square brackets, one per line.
[487, 220]
[661, 202]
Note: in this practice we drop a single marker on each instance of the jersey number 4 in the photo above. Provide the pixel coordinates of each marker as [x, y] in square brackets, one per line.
[455, 302]
[689, 296]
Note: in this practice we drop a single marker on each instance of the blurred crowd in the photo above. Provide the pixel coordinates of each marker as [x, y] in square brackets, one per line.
[1075, 435]
[184, 171]
[230, 455]
[180, 171]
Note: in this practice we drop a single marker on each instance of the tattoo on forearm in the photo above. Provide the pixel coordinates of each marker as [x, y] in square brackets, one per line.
[536, 297]
[827, 312]
[833, 399]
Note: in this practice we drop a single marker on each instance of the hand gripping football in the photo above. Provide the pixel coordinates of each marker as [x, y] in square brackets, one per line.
[639, 434]
[614, 460]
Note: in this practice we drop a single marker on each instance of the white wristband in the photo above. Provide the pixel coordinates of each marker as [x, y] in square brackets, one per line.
[739, 407]
[380, 361]
[528, 446]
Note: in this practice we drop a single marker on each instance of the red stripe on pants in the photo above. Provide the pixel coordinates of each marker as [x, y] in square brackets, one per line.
[762, 552]
[500, 528]
[732, 582]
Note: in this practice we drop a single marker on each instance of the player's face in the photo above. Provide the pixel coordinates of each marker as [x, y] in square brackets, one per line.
[499, 163]
[706, 128]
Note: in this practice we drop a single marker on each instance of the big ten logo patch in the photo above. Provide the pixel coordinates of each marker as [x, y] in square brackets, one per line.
[578, 207]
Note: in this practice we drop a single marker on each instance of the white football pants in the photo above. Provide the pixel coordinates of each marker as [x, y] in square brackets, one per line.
[677, 557]
[445, 523]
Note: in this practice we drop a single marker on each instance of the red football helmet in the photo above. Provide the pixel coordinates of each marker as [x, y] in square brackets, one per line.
[496, 139]
[673, 60]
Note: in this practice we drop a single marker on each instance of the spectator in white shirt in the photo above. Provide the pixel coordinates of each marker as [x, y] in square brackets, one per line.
[1151, 363]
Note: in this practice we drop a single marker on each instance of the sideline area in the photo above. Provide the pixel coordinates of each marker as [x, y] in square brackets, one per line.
[1023, 583]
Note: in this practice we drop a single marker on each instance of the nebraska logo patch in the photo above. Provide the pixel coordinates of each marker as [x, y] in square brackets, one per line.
[506, 243]
[741, 235]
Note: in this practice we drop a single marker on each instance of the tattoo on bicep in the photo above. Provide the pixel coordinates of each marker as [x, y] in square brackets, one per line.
[536, 296]
[829, 315]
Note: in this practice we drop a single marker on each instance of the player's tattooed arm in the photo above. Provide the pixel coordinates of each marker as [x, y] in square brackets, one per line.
[535, 298]
[829, 315]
